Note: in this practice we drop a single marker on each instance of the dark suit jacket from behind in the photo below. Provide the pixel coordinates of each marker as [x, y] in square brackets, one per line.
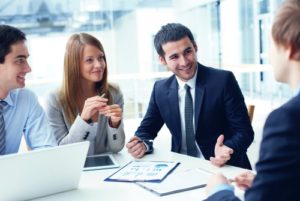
[219, 109]
[278, 167]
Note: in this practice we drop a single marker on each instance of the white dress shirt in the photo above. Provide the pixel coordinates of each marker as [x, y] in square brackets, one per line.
[181, 100]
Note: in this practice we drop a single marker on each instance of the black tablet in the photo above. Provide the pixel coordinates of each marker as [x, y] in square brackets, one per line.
[98, 162]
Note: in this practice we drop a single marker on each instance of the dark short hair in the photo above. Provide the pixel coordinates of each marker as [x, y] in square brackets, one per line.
[286, 28]
[8, 36]
[171, 32]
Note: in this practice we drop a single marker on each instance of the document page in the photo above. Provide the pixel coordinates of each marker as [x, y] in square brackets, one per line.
[150, 171]
[178, 182]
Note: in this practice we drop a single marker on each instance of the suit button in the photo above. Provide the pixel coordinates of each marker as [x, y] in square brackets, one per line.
[86, 135]
[114, 136]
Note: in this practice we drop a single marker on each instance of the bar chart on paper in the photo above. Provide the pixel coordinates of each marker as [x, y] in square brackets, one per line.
[146, 171]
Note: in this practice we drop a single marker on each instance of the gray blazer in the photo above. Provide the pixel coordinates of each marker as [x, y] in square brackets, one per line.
[103, 138]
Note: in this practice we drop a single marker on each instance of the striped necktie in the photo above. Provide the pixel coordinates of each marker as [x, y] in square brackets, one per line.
[189, 127]
[2, 129]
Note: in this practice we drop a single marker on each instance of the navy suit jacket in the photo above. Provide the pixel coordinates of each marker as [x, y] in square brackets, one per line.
[219, 109]
[278, 167]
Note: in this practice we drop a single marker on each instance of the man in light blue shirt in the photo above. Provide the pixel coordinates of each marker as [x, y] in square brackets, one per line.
[20, 111]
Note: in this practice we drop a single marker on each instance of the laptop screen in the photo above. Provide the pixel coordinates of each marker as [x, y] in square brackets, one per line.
[47, 171]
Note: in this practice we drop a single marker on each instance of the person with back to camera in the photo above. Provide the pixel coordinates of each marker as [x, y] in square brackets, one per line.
[278, 166]
[202, 107]
[87, 107]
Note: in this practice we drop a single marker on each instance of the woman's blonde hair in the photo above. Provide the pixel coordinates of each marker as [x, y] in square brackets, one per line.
[71, 89]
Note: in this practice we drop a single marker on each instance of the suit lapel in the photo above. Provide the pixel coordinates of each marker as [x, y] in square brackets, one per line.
[174, 108]
[199, 94]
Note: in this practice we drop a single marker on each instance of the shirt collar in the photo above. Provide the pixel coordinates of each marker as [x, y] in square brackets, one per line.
[191, 82]
[297, 91]
[9, 99]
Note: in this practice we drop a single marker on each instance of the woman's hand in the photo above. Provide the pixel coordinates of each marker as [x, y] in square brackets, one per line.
[114, 112]
[92, 106]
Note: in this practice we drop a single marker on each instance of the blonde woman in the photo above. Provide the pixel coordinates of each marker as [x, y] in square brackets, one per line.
[87, 107]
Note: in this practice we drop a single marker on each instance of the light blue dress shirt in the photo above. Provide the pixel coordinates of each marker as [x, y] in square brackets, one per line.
[297, 91]
[221, 187]
[23, 115]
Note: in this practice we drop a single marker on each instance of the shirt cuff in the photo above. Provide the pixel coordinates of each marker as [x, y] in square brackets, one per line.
[147, 147]
[113, 128]
[221, 187]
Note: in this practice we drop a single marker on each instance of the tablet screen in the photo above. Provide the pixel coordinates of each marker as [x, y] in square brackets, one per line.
[100, 162]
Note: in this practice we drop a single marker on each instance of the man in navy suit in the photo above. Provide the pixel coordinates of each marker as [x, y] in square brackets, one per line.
[278, 167]
[220, 126]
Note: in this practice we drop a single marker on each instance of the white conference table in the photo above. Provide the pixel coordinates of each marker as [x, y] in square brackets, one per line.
[93, 188]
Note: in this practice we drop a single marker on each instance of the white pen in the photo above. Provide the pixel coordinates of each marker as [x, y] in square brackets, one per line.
[102, 96]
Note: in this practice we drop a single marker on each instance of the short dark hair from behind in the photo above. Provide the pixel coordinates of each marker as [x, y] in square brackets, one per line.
[169, 33]
[8, 36]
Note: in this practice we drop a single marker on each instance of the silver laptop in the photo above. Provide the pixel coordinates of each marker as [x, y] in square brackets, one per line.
[41, 172]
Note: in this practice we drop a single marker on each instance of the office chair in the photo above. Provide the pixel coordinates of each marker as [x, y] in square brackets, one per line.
[250, 109]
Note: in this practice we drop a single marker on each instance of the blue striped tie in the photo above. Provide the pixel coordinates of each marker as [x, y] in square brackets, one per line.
[2, 129]
[189, 127]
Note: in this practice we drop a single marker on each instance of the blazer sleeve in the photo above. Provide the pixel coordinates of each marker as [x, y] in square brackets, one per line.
[63, 131]
[152, 121]
[237, 118]
[116, 136]
[224, 195]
